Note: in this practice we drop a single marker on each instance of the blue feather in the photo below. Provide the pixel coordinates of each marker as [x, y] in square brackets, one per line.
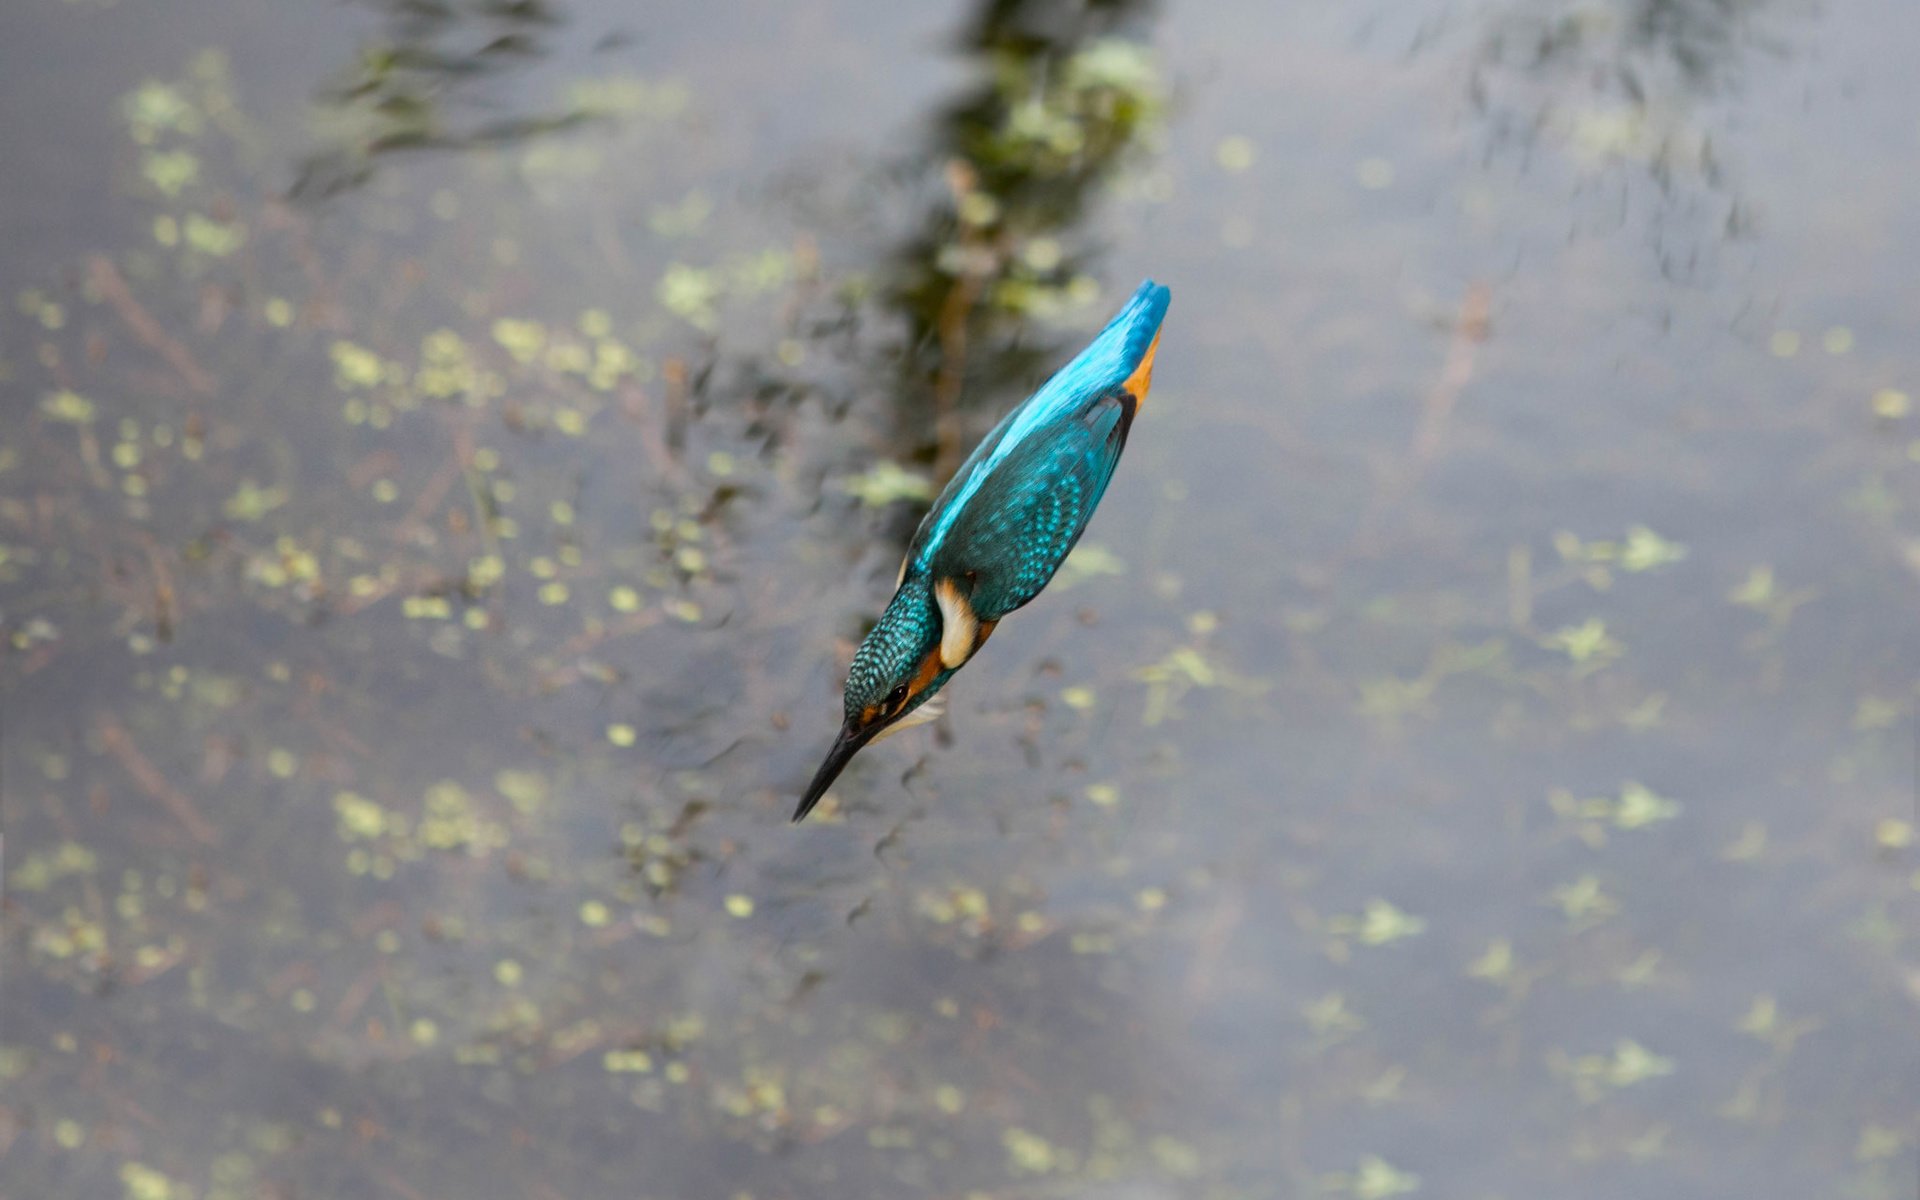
[1107, 362]
[1000, 529]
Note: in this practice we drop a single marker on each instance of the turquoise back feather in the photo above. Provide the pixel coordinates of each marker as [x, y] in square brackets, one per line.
[1107, 362]
[1001, 528]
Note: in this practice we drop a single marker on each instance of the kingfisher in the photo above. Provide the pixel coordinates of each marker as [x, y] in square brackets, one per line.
[999, 530]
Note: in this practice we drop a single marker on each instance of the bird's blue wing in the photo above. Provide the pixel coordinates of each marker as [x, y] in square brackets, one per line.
[1027, 511]
[1105, 365]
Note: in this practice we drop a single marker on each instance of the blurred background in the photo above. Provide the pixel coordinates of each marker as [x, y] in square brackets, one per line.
[452, 447]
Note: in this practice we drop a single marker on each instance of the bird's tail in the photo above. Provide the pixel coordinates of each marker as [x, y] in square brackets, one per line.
[1132, 330]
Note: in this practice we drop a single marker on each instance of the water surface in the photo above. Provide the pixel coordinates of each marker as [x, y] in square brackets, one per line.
[452, 451]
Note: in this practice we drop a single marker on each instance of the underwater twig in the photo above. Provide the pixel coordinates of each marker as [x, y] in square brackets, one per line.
[112, 286]
[952, 326]
[356, 996]
[115, 739]
[1469, 330]
[953, 372]
[163, 605]
[400, 1186]
[639, 410]
[436, 489]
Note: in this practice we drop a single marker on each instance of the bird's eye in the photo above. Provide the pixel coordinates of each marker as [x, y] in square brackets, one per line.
[897, 696]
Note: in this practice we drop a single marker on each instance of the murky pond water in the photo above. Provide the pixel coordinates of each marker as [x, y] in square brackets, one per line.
[451, 450]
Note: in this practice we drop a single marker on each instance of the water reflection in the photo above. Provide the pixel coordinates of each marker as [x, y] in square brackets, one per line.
[1015, 164]
[1626, 84]
[432, 80]
[406, 615]
[1644, 50]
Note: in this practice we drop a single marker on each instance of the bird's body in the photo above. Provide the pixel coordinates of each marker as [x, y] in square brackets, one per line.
[1000, 529]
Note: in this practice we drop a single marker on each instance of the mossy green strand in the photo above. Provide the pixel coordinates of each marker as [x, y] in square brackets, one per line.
[999, 530]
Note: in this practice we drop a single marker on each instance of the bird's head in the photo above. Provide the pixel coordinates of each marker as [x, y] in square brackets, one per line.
[896, 671]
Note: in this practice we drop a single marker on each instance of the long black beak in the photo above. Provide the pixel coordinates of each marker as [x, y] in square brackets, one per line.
[845, 747]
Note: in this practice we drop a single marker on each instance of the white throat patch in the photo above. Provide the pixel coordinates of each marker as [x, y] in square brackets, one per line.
[959, 628]
[932, 710]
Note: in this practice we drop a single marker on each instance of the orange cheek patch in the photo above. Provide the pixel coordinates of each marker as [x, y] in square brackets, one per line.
[1142, 377]
[929, 667]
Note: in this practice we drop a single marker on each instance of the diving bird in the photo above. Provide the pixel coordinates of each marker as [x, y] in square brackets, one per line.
[1000, 529]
